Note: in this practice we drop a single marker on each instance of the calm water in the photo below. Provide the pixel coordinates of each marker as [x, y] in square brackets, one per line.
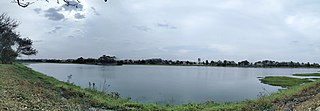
[171, 84]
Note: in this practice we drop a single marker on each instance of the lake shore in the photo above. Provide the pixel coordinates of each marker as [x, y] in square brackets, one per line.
[179, 65]
[25, 89]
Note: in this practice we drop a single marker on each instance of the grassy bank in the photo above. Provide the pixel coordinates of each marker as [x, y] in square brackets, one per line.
[308, 74]
[300, 93]
[283, 81]
[36, 91]
[21, 88]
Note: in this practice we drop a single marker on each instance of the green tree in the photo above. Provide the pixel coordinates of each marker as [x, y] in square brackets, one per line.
[11, 43]
[107, 59]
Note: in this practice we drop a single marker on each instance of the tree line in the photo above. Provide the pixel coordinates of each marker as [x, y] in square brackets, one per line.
[103, 60]
[107, 60]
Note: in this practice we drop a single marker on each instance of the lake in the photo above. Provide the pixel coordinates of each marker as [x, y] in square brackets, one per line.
[171, 84]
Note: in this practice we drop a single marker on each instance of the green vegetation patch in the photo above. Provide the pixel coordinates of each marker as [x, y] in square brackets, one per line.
[283, 81]
[308, 74]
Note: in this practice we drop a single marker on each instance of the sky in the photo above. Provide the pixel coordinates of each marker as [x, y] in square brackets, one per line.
[281, 30]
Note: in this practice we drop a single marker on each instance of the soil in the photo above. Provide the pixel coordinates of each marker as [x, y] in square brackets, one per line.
[307, 100]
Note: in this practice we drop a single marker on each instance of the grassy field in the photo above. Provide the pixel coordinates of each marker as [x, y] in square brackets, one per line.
[21, 88]
[283, 81]
[308, 74]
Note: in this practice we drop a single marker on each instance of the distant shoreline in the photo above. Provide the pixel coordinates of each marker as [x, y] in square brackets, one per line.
[177, 65]
[112, 60]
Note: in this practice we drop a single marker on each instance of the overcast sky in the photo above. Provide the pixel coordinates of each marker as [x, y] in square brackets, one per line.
[281, 30]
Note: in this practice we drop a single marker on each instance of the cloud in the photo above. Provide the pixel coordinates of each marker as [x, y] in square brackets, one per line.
[79, 16]
[57, 14]
[95, 12]
[71, 36]
[74, 11]
[74, 6]
[37, 10]
[35, 41]
[53, 14]
[222, 47]
[166, 25]
[303, 20]
[142, 28]
[57, 28]
[294, 42]
[187, 49]
[235, 30]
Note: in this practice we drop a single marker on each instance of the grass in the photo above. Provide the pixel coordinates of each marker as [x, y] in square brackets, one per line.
[283, 81]
[30, 86]
[292, 94]
[307, 74]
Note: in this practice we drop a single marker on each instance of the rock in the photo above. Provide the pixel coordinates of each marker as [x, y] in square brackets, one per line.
[318, 109]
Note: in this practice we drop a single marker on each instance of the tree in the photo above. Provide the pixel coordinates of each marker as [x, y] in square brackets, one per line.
[11, 43]
[207, 62]
[107, 59]
[80, 60]
[26, 3]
